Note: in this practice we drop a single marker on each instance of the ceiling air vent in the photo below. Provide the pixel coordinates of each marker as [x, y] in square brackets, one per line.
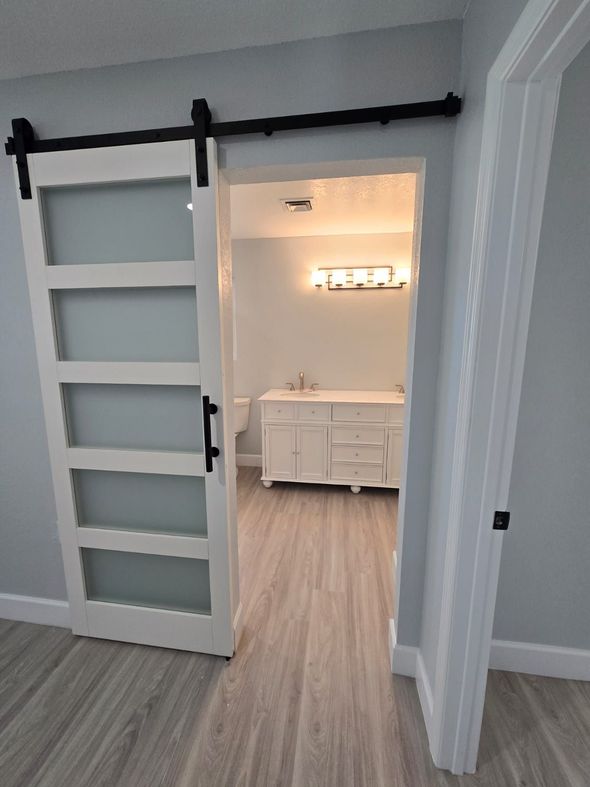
[297, 205]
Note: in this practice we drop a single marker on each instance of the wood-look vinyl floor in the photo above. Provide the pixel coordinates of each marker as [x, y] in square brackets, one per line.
[307, 700]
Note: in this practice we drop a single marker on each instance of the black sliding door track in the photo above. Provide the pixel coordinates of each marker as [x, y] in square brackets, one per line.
[23, 140]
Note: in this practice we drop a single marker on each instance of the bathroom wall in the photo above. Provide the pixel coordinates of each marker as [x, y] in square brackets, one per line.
[346, 339]
[544, 590]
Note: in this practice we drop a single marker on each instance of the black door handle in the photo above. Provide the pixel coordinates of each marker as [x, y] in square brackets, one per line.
[209, 409]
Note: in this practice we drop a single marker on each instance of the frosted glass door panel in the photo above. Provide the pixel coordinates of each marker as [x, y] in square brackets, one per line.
[146, 221]
[151, 324]
[141, 501]
[179, 583]
[145, 417]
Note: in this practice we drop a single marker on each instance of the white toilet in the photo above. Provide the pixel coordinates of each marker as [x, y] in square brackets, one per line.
[241, 415]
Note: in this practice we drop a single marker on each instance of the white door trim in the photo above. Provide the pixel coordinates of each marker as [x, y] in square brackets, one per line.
[521, 103]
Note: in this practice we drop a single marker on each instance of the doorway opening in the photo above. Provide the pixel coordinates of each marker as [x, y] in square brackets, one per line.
[323, 362]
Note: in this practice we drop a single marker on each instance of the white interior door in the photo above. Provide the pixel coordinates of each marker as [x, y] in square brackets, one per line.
[131, 300]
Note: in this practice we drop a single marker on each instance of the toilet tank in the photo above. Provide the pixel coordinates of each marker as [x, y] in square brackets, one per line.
[241, 413]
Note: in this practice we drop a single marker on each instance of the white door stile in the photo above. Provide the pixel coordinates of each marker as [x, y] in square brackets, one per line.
[214, 275]
[57, 439]
[145, 543]
[133, 461]
[212, 633]
[138, 373]
[180, 273]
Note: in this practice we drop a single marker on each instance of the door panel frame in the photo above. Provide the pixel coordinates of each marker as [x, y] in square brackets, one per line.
[521, 104]
[206, 273]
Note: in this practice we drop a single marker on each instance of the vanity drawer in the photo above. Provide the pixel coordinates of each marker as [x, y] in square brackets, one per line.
[279, 411]
[358, 435]
[357, 453]
[359, 412]
[350, 471]
[313, 412]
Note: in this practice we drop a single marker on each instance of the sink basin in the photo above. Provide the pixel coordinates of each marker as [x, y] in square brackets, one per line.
[302, 394]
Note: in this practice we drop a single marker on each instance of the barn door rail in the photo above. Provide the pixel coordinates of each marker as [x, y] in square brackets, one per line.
[23, 139]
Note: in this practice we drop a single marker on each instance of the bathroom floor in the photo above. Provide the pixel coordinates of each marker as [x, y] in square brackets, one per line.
[308, 699]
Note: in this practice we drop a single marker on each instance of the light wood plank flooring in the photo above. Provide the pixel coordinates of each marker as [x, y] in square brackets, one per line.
[307, 700]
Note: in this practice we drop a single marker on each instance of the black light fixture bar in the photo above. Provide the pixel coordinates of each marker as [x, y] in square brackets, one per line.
[24, 142]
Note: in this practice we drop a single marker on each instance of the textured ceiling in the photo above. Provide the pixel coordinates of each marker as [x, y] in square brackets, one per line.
[42, 36]
[341, 206]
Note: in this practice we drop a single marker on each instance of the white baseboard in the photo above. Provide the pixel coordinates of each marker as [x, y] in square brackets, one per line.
[546, 660]
[402, 657]
[425, 696]
[407, 660]
[31, 609]
[249, 460]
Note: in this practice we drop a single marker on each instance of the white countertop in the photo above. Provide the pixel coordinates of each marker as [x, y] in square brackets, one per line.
[344, 397]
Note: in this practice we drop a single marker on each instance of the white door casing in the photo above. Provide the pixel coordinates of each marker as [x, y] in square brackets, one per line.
[209, 274]
[521, 104]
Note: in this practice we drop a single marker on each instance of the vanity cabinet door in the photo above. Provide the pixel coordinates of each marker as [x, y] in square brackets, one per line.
[312, 453]
[394, 455]
[280, 453]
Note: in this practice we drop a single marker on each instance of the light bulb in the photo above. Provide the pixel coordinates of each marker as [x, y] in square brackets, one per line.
[402, 275]
[318, 278]
[360, 276]
[381, 276]
[339, 277]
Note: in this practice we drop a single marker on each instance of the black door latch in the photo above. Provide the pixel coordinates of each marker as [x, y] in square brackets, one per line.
[501, 520]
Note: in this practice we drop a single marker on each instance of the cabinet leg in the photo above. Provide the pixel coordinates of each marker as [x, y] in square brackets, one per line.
[355, 490]
[267, 484]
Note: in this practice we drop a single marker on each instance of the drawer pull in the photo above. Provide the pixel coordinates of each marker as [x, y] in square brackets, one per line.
[356, 453]
[357, 436]
[358, 412]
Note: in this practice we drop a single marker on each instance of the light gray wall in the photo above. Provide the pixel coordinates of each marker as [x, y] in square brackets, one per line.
[544, 590]
[355, 340]
[485, 29]
[389, 66]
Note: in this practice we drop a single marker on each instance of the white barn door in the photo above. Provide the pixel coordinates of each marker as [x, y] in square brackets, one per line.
[131, 299]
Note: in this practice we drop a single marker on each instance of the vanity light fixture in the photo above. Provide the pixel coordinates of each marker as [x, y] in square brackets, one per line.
[381, 278]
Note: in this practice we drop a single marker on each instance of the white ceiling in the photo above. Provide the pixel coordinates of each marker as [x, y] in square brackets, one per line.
[341, 206]
[42, 36]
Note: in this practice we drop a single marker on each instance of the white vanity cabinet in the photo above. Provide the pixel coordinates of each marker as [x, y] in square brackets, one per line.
[295, 453]
[351, 438]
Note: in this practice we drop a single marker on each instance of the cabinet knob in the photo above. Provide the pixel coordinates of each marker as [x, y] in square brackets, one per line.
[358, 412]
[356, 472]
[357, 436]
[356, 453]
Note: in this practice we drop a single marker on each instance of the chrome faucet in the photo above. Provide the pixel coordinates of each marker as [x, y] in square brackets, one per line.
[301, 382]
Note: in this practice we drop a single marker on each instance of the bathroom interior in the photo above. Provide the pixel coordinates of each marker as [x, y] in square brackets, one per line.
[322, 290]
